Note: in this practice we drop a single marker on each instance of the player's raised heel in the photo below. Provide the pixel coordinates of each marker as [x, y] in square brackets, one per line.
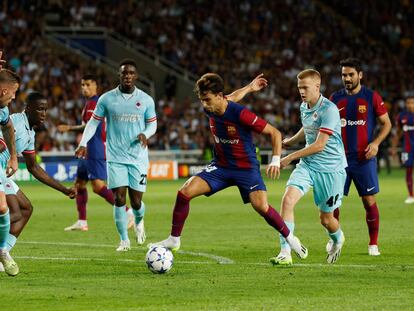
[283, 259]
[336, 249]
[140, 232]
[172, 243]
[9, 265]
[329, 245]
[124, 246]
[300, 250]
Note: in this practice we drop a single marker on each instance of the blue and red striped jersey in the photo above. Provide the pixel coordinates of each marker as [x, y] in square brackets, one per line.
[405, 121]
[233, 140]
[96, 146]
[358, 114]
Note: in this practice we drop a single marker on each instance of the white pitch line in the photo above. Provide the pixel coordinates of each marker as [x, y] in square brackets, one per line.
[218, 259]
[301, 265]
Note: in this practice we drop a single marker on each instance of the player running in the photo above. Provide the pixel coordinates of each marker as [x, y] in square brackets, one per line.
[360, 108]
[405, 131]
[9, 83]
[322, 161]
[234, 164]
[92, 168]
[131, 121]
[25, 124]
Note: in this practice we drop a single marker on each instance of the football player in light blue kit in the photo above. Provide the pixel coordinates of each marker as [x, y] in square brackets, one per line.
[131, 121]
[24, 126]
[322, 164]
[9, 83]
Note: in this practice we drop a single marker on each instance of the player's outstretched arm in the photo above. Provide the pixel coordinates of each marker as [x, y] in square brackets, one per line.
[257, 84]
[66, 128]
[273, 169]
[9, 138]
[39, 173]
[372, 148]
[317, 146]
[295, 139]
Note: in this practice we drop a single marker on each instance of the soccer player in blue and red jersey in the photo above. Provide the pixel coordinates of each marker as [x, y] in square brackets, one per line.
[360, 109]
[92, 168]
[405, 130]
[234, 163]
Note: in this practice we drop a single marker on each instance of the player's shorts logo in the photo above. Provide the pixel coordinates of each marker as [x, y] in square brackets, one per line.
[231, 130]
[362, 108]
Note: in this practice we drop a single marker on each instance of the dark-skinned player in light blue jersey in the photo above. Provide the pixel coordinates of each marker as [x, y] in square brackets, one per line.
[131, 121]
[234, 164]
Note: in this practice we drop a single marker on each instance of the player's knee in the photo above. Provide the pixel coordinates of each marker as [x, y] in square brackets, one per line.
[15, 216]
[135, 204]
[288, 202]
[3, 209]
[325, 220]
[120, 199]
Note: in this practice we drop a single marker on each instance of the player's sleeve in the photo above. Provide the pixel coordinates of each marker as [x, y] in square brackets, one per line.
[31, 147]
[150, 119]
[252, 121]
[89, 109]
[379, 106]
[100, 111]
[329, 120]
[4, 116]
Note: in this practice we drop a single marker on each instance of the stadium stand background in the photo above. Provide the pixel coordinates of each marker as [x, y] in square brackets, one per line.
[236, 39]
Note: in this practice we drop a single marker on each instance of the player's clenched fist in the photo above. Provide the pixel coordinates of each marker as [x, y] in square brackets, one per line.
[80, 152]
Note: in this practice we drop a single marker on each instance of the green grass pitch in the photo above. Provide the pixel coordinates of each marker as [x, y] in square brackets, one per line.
[224, 260]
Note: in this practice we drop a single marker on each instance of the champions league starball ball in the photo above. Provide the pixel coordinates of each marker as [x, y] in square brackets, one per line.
[159, 259]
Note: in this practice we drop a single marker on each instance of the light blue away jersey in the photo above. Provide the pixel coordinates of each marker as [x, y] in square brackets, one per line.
[323, 117]
[24, 135]
[126, 116]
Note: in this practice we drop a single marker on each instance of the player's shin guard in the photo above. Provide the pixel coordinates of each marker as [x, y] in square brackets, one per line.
[81, 200]
[4, 229]
[372, 219]
[11, 241]
[284, 245]
[275, 220]
[107, 194]
[139, 213]
[121, 222]
[180, 213]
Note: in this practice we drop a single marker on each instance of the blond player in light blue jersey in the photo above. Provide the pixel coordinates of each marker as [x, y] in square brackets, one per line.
[131, 121]
[322, 164]
[322, 161]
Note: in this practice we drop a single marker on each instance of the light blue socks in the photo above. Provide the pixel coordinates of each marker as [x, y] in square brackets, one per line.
[139, 214]
[121, 221]
[4, 229]
[336, 236]
[283, 243]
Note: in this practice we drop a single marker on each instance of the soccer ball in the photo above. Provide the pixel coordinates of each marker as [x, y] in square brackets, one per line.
[159, 259]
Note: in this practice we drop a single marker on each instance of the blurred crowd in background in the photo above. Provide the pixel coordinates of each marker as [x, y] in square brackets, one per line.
[237, 39]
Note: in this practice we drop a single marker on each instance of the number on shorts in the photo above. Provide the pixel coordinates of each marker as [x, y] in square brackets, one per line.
[143, 179]
[332, 200]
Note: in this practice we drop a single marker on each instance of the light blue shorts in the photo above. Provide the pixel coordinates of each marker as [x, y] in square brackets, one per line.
[328, 188]
[129, 175]
[10, 187]
[3, 180]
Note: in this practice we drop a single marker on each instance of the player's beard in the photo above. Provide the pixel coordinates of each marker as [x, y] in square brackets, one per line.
[351, 86]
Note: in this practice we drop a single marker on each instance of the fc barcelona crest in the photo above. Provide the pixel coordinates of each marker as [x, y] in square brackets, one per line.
[362, 108]
[231, 130]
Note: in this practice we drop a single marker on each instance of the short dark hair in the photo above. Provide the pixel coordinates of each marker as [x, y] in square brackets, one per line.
[89, 77]
[33, 97]
[8, 76]
[128, 61]
[209, 82]
[351, 62]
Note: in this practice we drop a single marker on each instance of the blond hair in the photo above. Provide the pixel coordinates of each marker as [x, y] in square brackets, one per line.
[309, 73]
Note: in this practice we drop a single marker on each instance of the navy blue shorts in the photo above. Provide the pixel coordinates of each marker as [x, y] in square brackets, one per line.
[364, 175]
[219, 178]
[91, 169]
[407, 159]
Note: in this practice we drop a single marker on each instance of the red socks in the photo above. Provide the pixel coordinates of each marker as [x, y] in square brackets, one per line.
[81, 200]
[372, 218]
[180, 213]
